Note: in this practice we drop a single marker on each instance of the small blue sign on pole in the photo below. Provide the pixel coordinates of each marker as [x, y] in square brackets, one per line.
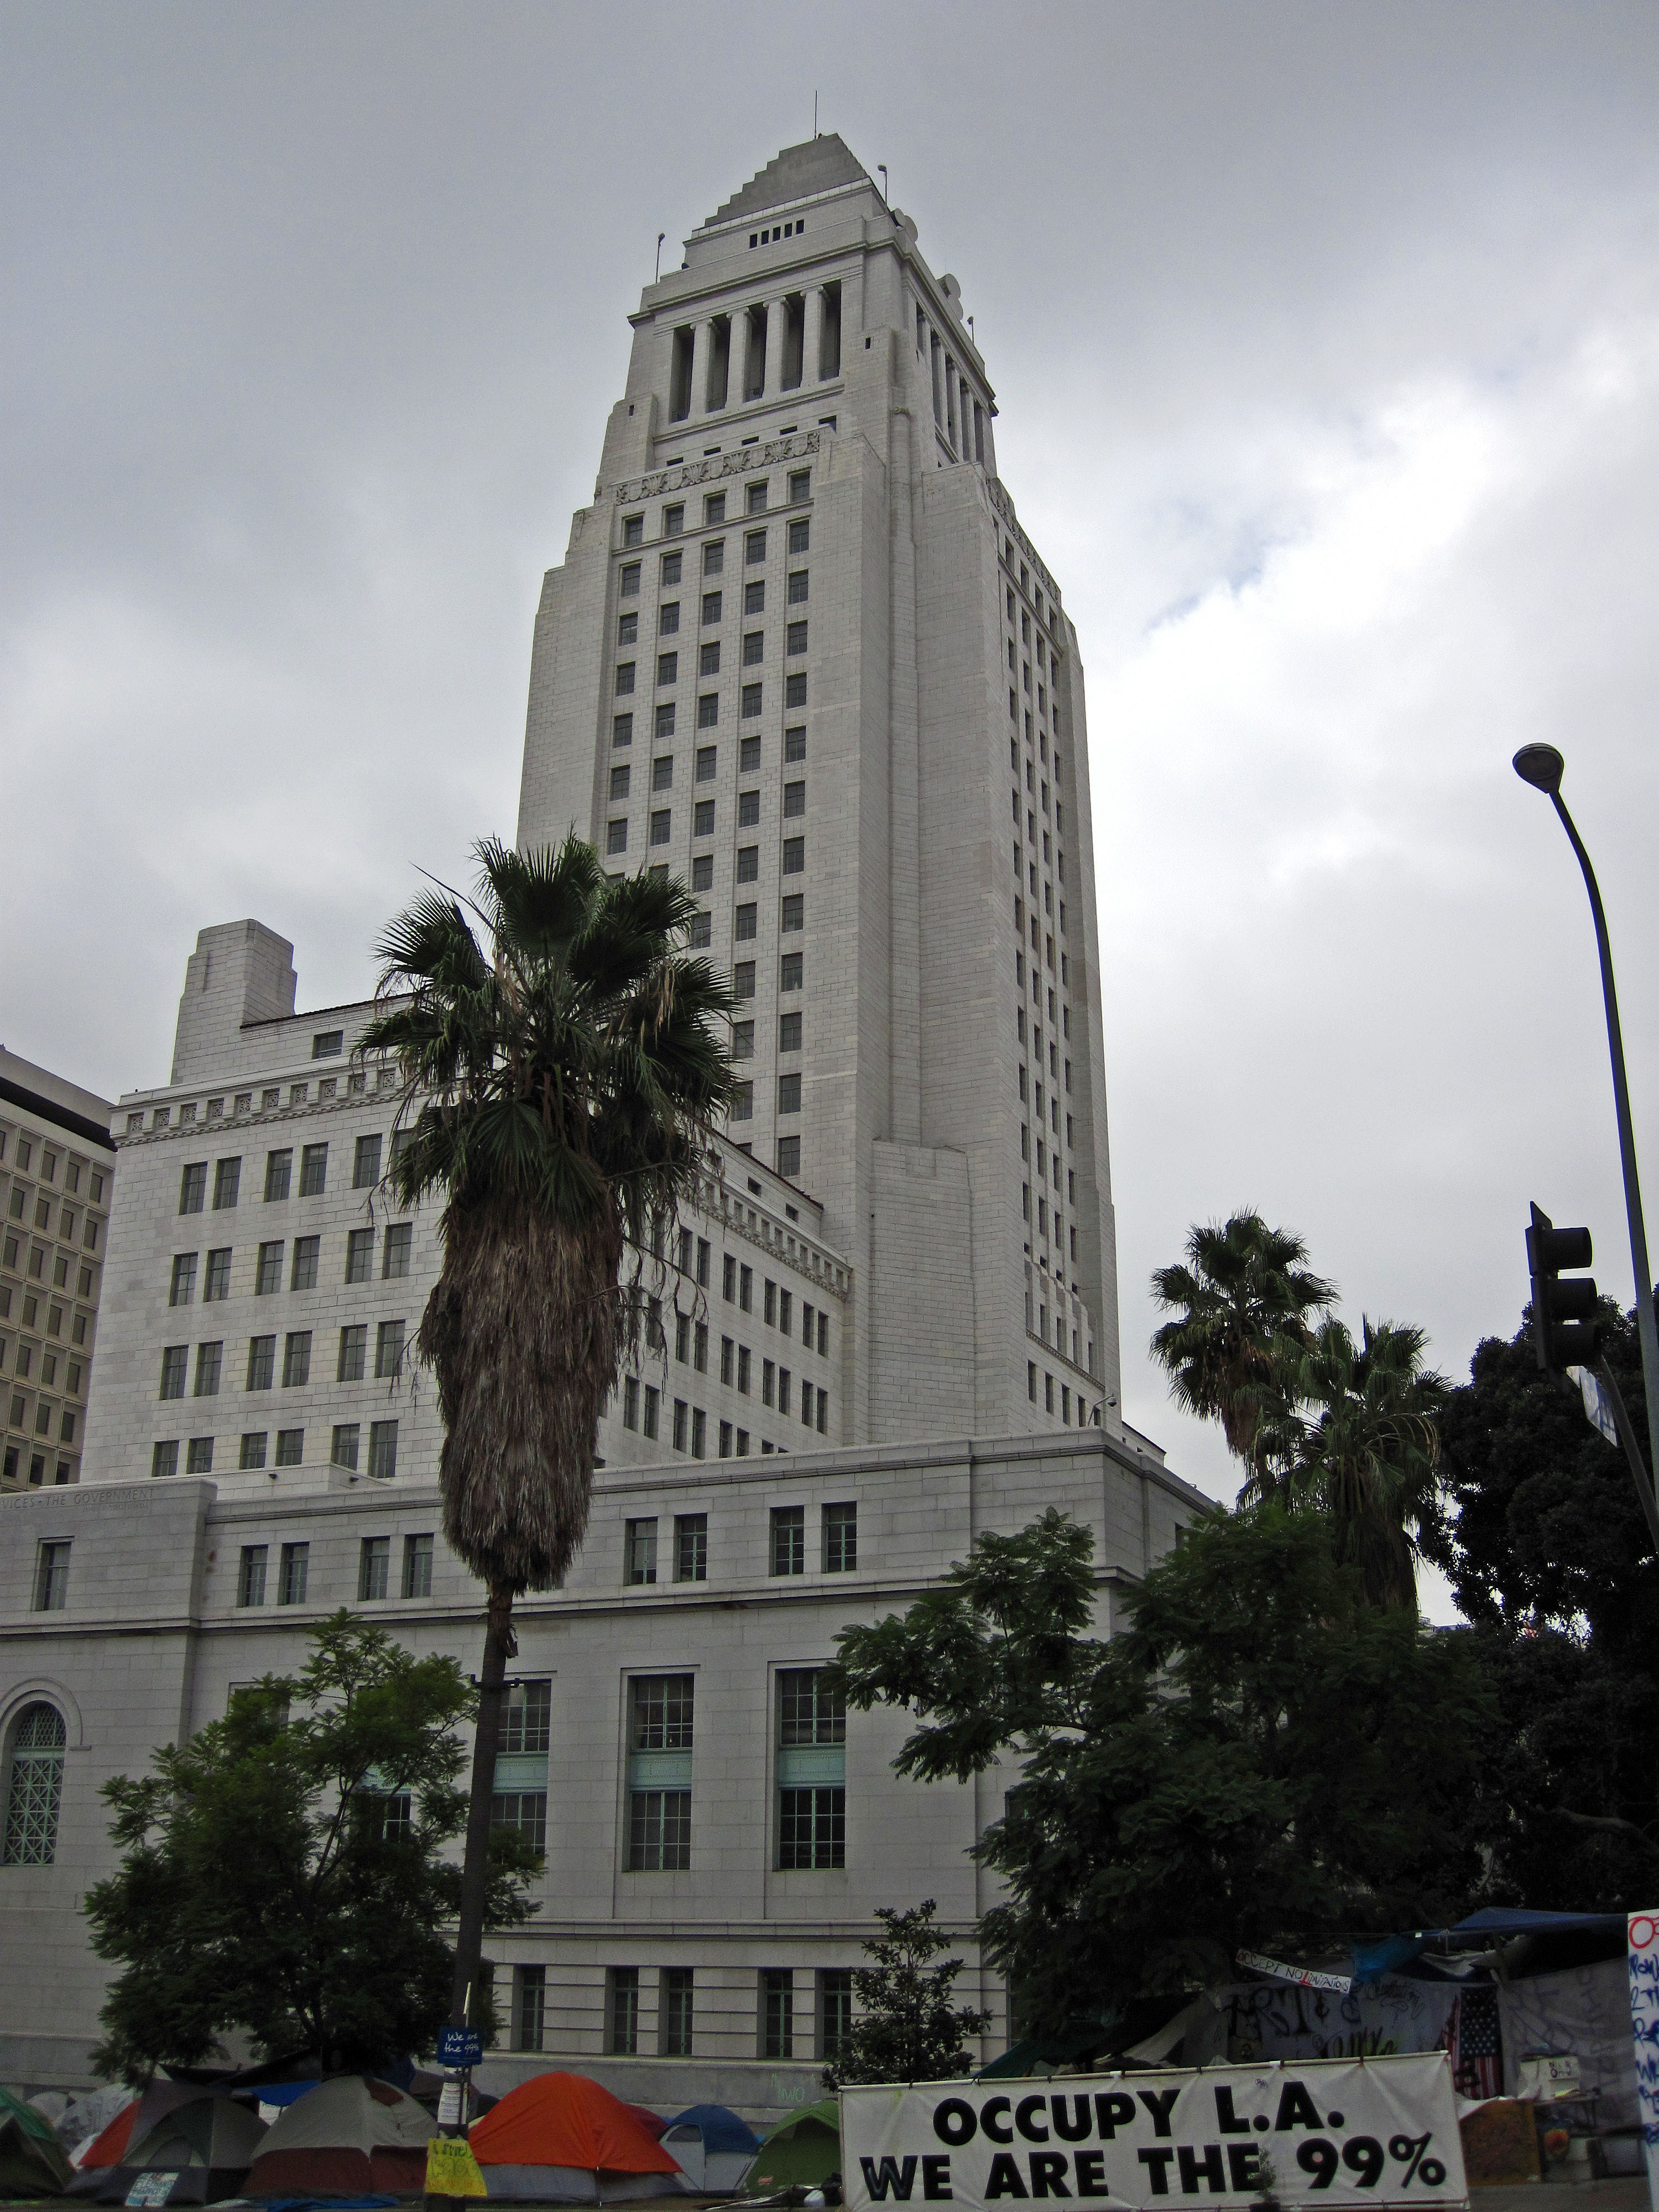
[459, 2046]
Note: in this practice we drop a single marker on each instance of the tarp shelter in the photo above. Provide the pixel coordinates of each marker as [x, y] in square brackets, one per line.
[31, 2160]
[562, 2139]
[713, 2145]
[349, 2136]
[88, 2116]
[803, 2147]
[194, 2150]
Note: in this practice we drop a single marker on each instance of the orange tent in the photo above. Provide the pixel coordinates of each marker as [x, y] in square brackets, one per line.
[561, 2139]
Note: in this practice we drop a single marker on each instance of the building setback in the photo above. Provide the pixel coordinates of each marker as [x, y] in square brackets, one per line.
[800, 652]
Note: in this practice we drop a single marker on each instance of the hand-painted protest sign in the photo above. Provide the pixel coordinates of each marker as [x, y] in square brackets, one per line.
[451, 2168]
[1354, 2132]
[1303, 1976]
[1642, 1930]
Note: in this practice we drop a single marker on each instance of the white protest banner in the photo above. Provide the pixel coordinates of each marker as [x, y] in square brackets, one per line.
[1366, 2131]
[1642, 1931]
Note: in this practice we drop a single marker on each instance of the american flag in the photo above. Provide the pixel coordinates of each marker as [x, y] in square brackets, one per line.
[1473, 2039]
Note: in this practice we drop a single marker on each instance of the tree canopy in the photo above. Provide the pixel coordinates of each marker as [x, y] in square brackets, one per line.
[907, 2028]
[1264, 1759]
[284, 1871]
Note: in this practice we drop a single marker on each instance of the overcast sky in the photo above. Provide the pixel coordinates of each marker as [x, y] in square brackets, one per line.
[1326, 340]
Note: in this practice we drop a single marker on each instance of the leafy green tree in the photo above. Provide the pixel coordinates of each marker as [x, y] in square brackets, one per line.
[558, 1079]
[1263, 1760]
[907, 2028]
[1548, 1554]
[1241, 1299]
[1367, 1447]
[284, 1870]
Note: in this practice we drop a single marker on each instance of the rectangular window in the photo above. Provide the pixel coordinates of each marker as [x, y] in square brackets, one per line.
[164, 1460]
[703, 872]
[227, 1182]
[797, 587]
[668, 667]
[628, 629]
[777, 2009]
[639, 1553]
[714, 558]
[652, 1416]
[374, 1566]
[754, 547]
[616, 837]
[748, 863]
[754, 648]
[752, 707]
[788, 1540]
[840, 1539]
[253, 1450]
[209, 1357]
[699, 1432]
[671, 568]
[328, 1044]
[417, 1566]
[800, 536]
[192, 1188]
[261, 1362]
[674, 2013]
[790, 972]
[708, 706]
[342, 1452]
[794, 745]
[313, 1170]
[743, 979]
[51, 1578]
[354, 1352]
[182, 1286]
[682, 1416]
[529, 2006]
[290, 1447]
[296, 1359]
[794, 643]
[665, 720]
[794, 855]
[690, 1546]
[708, 664]
[622, 731]
[268, 1279]
[251, 1576]
[306, 1251]
[789, 1033]
[711, 607]
[383, 1450]
[795, 911]
[279, 1167]
[661, 826]
[291, 1576]
[366, 1164]
[747, 922]
[789, 1157]
[702, 818]
[623, 2010]
[360, 1256]
[789, 1093]
[388, 1350]
[835, 2009]
[399, 1241]
[624, 680]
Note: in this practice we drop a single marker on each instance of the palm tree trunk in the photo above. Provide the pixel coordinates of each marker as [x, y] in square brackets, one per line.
[500, 1646]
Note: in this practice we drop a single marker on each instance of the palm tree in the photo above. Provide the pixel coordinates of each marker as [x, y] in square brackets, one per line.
[1240, 1302]
[557, 1081]
[1370, 1454]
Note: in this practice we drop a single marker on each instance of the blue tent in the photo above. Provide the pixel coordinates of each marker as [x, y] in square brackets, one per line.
[1501, 1920]
[712, 2146]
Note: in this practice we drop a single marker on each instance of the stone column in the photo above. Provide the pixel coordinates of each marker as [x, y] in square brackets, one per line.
[775, 319]
[702, 353]
[811, 358]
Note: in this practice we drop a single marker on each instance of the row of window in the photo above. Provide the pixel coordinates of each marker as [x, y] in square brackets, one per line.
[70, 1217]
[642, 1409]
[350, 1367]
[397, 1249]
[13, 1465]
[838, 1547]
[24, 1144]
[279, 1174]
[659, 829]
[755, 494]
[706, 769]
[711, 608]
[374, 1571]
[11, 1256]
[345, 1446]
[708, 655]
[271, 1097]
[18, 1417]
[672, 571]
[785, 2027]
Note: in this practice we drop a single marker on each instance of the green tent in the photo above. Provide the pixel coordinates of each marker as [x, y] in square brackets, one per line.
[804, 2148]
[32, 2161]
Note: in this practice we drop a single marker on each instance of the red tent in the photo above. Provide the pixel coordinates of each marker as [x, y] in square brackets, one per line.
[561, 2139]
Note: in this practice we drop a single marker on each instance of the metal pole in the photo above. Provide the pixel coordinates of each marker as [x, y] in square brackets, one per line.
[1647, 1331]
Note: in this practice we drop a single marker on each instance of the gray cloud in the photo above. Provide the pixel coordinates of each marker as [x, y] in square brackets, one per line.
[1327, 343]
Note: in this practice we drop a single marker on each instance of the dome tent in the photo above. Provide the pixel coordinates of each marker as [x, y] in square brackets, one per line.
[348, 2136]
[31, 2160]
[805, 2148]
[187, 2145]
[562, 2139]
[713, 2145]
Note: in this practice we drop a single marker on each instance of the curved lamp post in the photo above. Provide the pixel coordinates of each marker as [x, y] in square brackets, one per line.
[1542, 767]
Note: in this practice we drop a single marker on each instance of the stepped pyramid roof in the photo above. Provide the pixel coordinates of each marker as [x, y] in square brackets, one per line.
[817, 164]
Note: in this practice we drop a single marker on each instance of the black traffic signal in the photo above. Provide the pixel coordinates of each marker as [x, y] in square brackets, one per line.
[1563, 1335]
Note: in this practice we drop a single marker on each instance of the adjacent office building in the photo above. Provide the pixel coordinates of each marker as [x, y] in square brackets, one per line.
[800, 652]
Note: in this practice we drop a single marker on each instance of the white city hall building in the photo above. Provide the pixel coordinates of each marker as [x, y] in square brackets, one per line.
[801, 654]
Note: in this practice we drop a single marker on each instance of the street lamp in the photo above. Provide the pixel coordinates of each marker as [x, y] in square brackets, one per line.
[1542, 767]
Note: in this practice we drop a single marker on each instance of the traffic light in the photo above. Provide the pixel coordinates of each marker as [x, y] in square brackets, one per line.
[1563, 1335]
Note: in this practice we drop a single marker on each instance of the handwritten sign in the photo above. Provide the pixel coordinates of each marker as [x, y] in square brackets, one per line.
[451, 2168]
[1301, 1976]
[1642, 1930]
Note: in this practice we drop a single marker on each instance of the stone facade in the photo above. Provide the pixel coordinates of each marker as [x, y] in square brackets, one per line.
[57, 1169]
[791, 647]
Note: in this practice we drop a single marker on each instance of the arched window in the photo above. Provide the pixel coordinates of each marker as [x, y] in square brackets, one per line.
[33, 1787]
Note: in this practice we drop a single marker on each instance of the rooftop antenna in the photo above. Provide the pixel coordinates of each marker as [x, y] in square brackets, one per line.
[815, 115]
[661, 235]
[972, 332]
[882, 166]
